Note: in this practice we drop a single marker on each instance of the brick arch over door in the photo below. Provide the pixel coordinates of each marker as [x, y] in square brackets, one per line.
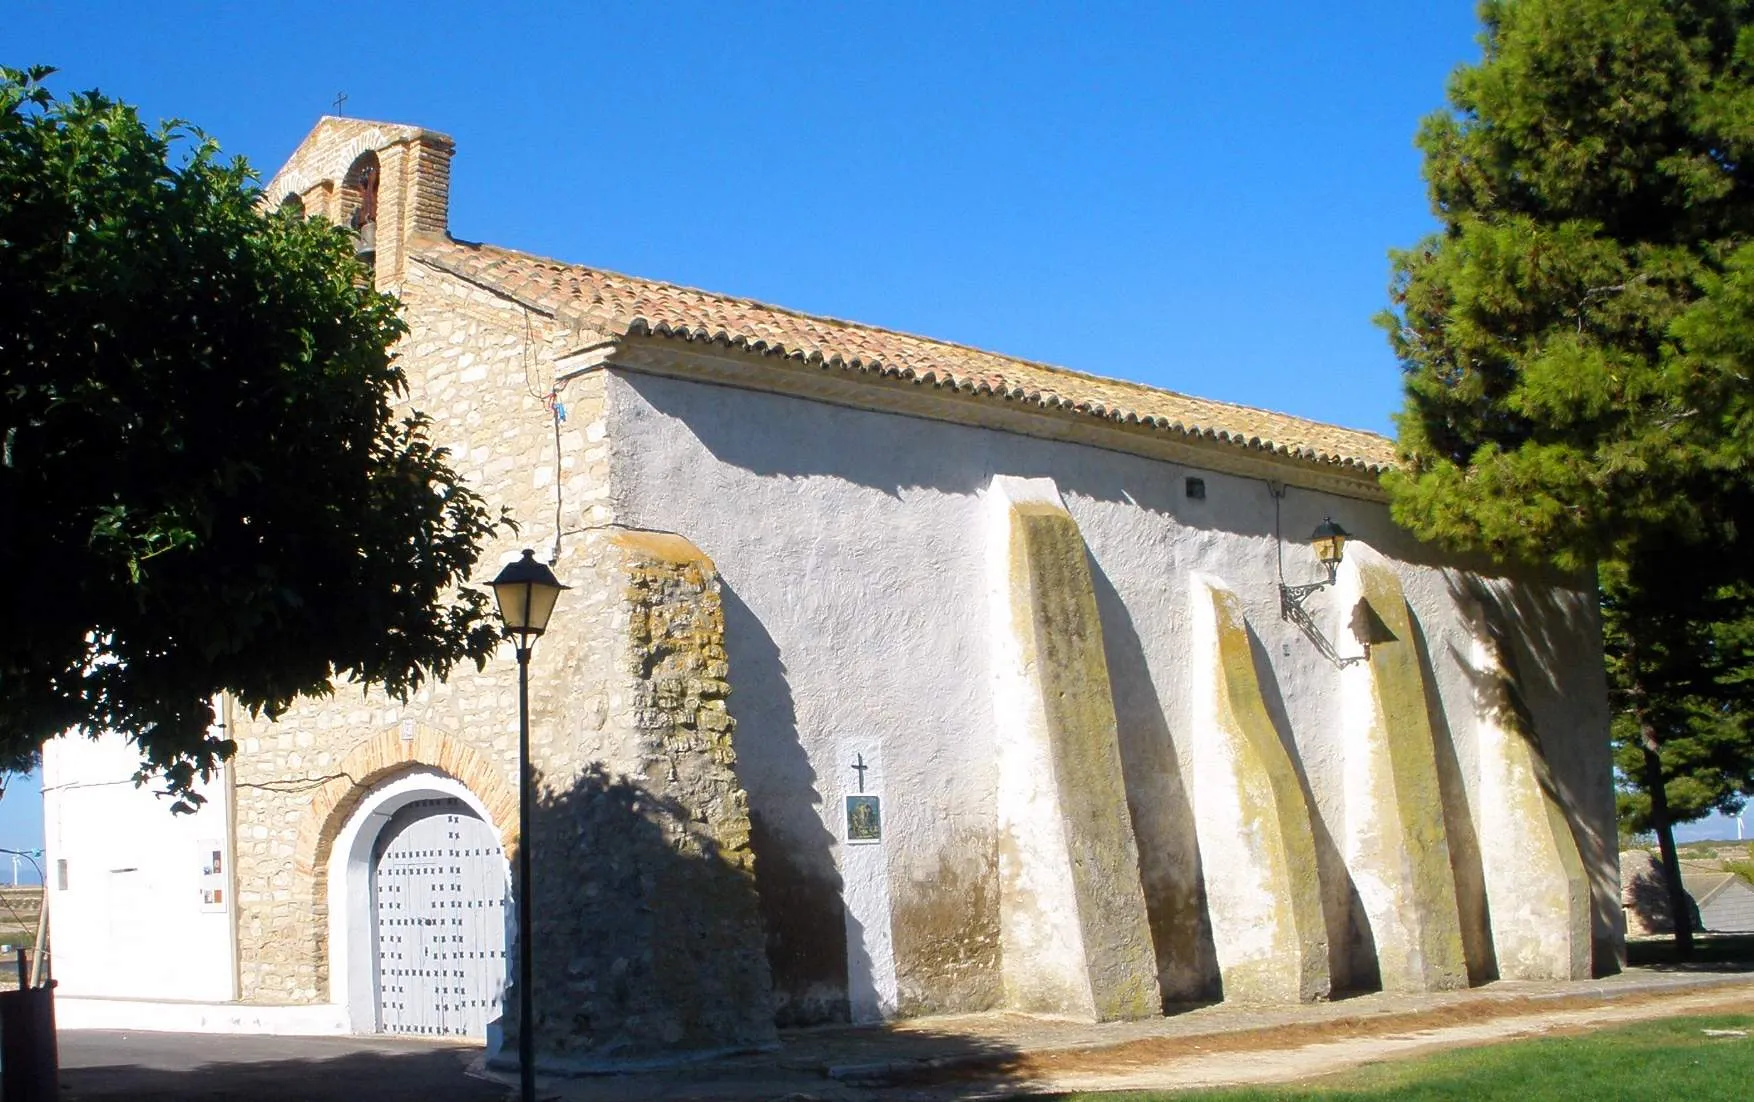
[365, 767]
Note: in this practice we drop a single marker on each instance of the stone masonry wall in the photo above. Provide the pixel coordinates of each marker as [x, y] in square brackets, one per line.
[648, 936]
[478, 366]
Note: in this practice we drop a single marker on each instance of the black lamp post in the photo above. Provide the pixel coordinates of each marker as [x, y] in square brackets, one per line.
[1329, 543]
[526, 591]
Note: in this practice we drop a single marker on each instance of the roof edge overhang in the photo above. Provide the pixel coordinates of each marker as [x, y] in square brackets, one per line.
[720, 364]
[637, 347]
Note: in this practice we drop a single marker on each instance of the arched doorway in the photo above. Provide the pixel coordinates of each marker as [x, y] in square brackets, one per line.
[438, 885]
[419, 911]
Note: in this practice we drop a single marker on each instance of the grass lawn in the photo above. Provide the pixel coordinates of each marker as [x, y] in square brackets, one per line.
[1673, 1059]
[18, 916]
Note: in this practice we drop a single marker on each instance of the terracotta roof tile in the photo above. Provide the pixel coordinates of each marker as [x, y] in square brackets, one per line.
[624, 305]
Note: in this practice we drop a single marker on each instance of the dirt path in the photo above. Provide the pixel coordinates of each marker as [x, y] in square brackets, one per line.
[1317, 1049]
[1002, 1057]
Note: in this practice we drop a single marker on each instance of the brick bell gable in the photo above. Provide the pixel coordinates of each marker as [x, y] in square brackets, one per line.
[413, 183]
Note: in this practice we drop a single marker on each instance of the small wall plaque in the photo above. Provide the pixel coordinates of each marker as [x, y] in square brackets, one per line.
[212, 875]
[864, 819]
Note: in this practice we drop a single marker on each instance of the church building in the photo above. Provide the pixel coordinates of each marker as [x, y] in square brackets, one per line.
[895, 678]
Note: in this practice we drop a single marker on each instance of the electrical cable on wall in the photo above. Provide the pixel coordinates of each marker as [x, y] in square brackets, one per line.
[1277, 489]
[530, 356]
[557, 413]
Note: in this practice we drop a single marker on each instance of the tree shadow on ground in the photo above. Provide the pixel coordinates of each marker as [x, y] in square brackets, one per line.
[841, 1062]
[105, 1065]
[1711, 953]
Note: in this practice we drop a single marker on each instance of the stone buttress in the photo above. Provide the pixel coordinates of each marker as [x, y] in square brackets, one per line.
[1251, 818]
[1072, 916]
[1397, 847]
[648, 938]
[1536, 884]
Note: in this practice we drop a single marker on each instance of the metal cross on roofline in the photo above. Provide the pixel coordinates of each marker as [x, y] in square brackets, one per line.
[340, 101]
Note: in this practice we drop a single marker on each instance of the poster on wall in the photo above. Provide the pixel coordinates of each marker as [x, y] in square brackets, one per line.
[212, 858]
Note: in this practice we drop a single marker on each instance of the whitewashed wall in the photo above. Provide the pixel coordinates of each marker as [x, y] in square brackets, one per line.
[131, 921]
[850, 546]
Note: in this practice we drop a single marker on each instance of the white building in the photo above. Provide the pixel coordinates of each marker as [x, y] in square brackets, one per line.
[896, 677]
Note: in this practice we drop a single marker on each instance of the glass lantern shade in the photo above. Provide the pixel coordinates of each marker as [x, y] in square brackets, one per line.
[1329, 541]
[526, 591]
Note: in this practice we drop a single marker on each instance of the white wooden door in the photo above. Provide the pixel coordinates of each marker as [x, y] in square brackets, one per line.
[440, 887]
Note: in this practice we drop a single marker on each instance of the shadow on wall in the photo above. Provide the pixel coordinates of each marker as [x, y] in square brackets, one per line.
[1163, 819]
[823, 440]
[1647, 895]
[839, 442]
[647, 936]
[1351, 946]
[1534, 629]
[795, 873]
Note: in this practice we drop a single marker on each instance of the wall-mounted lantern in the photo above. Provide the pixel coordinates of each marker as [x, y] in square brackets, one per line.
[1329, 543]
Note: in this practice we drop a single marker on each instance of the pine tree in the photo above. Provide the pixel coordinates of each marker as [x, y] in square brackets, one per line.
[1578, 342]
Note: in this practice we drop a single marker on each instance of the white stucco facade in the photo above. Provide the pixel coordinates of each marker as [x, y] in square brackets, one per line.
[138, 910]
[852, 545]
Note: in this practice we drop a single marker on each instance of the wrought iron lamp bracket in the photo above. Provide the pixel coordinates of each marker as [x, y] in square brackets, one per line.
[1291, 598]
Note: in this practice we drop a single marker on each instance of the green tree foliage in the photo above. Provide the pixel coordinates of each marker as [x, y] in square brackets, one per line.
[1694, 663]
[205, 483]
[1577, 342]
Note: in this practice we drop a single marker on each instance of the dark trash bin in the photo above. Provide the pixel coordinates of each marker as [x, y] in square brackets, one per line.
[29, 1062]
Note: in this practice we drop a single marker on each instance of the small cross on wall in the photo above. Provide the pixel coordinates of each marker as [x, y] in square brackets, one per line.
[859, 767]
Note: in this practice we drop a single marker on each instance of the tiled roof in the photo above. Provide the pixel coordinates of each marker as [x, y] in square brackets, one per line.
[623, 305]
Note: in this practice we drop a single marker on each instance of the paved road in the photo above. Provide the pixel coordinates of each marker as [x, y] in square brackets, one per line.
[188, 1067]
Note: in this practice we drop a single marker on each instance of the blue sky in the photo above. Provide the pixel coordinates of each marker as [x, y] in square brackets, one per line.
[1197, 196]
